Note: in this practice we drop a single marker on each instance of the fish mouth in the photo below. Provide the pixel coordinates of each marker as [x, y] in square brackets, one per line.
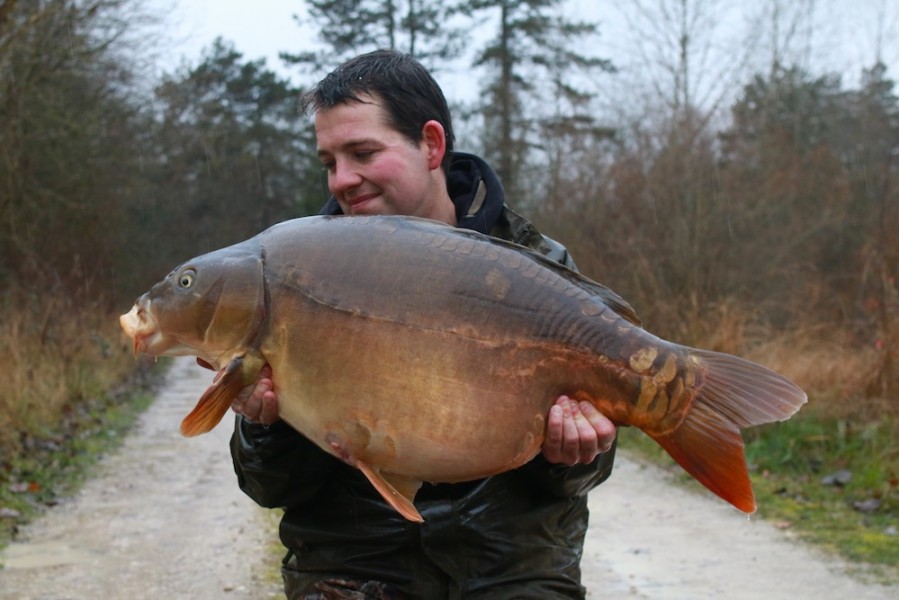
[141, 327]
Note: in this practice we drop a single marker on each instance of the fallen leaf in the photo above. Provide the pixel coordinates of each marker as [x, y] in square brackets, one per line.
[18, 487]
[840, 478]
[9, 513]
[867, 506]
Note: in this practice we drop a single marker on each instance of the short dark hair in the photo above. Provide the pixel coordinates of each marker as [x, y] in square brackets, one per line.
[410, 94]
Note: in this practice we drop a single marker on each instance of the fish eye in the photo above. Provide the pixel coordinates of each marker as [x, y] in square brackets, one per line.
[186, 279]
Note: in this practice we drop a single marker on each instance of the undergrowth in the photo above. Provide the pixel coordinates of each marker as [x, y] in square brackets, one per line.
[71, 389]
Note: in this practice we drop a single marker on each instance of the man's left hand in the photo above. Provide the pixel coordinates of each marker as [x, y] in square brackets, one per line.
[576, 433]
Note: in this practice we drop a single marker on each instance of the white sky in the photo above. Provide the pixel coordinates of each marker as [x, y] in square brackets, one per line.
[258, 29]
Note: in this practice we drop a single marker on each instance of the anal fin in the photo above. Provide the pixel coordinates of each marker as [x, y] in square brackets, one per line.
[398, 491]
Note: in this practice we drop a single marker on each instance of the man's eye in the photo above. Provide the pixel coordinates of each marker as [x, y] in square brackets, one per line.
[364, 154]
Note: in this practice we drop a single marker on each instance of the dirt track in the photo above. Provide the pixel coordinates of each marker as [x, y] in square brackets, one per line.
[164, 519]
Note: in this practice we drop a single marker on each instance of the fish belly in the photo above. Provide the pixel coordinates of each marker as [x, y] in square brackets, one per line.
[427, 404]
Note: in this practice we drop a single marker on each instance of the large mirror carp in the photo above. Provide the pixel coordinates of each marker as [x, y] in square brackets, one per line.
[418, 352]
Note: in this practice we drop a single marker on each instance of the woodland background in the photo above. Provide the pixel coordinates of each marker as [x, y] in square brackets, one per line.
[755, 215]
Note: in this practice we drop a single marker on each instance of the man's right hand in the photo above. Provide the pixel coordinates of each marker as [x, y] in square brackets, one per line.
[258, 402]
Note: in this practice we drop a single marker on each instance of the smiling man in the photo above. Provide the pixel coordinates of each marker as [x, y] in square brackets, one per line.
[384, 135]
[373, 169]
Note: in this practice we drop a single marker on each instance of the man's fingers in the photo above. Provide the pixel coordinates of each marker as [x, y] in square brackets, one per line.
[554, 427]
[570, 451]
[249, 401]
[552, 445]
[576, 432]
[603, 428]
[268, 411]
[586, 443]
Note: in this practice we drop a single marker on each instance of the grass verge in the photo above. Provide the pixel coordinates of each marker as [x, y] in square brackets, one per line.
[67, 396]
[835, 481]
[53, 465]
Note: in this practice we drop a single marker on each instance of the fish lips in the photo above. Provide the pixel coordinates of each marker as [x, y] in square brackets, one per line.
[140, 326]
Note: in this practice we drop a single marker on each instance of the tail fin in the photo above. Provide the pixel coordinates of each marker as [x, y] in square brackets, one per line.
[733, 393]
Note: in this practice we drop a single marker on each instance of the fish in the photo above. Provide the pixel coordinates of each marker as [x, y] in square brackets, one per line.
[418, 352]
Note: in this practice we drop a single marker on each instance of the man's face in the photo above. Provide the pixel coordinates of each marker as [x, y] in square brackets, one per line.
[372, 168]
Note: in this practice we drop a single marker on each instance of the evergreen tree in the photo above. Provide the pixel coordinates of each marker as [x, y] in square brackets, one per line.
[532, 62]
[421, 28]
[236, 154]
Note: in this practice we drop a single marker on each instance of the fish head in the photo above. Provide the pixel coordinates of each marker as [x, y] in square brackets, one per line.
[208, 307]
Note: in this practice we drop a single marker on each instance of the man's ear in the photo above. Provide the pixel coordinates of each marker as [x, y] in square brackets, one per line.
[434, 137]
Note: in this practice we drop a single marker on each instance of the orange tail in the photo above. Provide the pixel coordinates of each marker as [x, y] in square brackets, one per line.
[733, 393]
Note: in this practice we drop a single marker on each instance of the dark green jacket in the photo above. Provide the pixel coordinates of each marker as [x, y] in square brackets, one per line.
[518, 534]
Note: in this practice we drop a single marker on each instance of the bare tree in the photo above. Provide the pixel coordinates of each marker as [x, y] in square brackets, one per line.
[68, 131]
[685, 53]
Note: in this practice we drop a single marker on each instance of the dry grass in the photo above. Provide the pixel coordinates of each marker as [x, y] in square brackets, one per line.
[828, 363]
[840, 372]
[57, 357]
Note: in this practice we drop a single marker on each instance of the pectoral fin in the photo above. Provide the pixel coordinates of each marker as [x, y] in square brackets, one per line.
[397, 490]
[217, 398]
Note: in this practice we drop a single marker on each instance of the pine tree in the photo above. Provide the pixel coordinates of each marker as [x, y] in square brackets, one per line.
[532, 62]
[420, 28]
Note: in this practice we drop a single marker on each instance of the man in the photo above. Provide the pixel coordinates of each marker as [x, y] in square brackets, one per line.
[384, 134]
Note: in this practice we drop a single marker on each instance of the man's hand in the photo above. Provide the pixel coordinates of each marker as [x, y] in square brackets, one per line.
[576, 433]
[258, 402]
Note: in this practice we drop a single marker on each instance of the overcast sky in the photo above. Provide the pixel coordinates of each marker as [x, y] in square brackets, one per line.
[258, 29]
[845, 37]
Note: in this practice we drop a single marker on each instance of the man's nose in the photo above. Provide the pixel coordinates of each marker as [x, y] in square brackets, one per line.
[342, 178]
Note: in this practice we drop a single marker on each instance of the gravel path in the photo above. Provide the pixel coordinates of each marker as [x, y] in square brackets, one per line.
[649, 538]
[164, 519]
